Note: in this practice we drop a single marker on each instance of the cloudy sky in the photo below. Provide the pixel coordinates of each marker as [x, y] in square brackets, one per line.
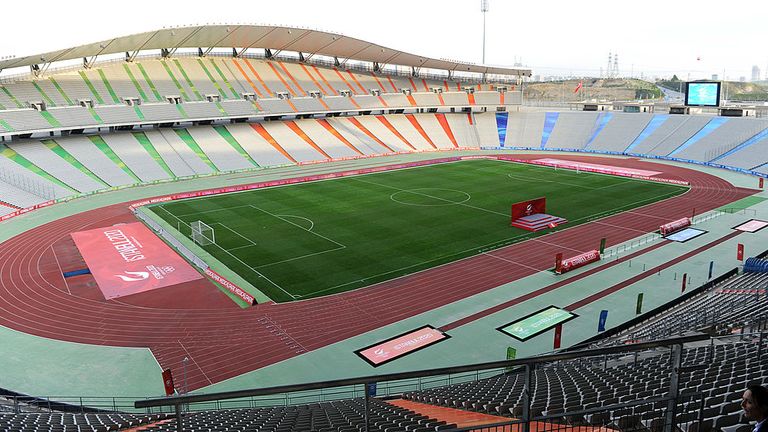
[554, 37]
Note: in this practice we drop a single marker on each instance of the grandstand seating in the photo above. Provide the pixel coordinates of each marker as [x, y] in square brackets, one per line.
[343, 415]
[727, 305]
[65, 422]
[723, 372]
[118, 159]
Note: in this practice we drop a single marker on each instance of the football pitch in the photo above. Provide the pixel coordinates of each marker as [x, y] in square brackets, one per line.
[323, 237]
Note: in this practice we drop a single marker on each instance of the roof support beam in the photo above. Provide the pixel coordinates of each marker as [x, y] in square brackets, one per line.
[183, 42]
[132, 57]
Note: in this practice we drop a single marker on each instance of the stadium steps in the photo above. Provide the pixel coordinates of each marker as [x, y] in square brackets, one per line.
[213, 81]
[182, 111]
[139, 113]
[110, 90]
[292, 78]
[329, 127]
[26, 163]
[224, 132]
[298, 131]
[254, 87]
[192, 144]
[50, 118]
[224, 78]
[141, 137]
[176, 82]
[187, 79]
[45, 96]
[221, 109]
[95, 115]
[756, 138]
[61, 91]
[538, 222]
[447, 128]
[108, 152]
[62, 153]
[457, 417]
[135, 82]
[90, 86]
[415, 122]
[282, 80]
[149, 82]
[12, 97]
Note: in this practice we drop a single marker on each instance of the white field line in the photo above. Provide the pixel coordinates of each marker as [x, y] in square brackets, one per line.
[434, 197]
[299, 226]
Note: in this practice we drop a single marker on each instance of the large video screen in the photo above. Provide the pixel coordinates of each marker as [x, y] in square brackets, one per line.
[536, 323]
[702, 94]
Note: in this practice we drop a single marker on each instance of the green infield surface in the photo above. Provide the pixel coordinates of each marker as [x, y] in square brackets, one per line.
[324, 237]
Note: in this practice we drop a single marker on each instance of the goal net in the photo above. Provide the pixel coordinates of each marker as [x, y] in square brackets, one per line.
[202, 234]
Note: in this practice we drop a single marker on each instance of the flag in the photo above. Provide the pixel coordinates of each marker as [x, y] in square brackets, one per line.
[740, 252]
[511, 353]
[602, 320]
[578, 87]
[558, 336]
[168, 382]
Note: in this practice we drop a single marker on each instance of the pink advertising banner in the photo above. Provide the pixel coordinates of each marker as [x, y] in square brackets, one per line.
[751, 226]
[129, 259]
[398, 346]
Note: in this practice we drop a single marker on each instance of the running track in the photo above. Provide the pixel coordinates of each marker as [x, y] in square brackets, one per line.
[194, 320]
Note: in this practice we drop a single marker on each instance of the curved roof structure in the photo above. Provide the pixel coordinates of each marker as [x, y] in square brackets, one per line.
[258, 36]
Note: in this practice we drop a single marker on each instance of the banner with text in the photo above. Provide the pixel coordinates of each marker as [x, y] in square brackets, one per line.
[581, 260]
[407, 343]
[129, 259]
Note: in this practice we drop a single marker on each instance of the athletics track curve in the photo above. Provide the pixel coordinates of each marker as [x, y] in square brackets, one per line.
[225, 342]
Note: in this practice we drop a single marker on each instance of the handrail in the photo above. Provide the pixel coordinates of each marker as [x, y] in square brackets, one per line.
[180, 400]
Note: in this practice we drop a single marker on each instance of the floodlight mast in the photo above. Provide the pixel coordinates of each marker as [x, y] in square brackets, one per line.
[484, 4]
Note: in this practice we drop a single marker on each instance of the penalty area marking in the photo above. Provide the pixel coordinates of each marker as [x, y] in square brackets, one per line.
[514, 177]
[311, 222]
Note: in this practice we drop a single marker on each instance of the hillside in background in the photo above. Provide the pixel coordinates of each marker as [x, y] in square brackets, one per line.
[732, 90]
[592, 88]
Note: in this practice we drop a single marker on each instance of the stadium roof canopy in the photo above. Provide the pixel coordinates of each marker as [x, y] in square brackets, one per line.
[277, 38]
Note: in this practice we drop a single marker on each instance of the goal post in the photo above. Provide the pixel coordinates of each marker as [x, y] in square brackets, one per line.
[202, 233]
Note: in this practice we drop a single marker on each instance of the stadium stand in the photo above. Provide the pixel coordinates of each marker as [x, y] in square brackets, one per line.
[572, 130]
[619, 133]
[624, 392]
[65, 422]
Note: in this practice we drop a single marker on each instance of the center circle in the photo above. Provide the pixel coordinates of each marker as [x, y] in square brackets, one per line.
[430, 197]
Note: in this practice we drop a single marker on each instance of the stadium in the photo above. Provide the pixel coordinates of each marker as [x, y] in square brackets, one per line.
[272, 228]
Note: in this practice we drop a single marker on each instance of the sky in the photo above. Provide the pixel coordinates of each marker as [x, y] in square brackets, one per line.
[652, 38]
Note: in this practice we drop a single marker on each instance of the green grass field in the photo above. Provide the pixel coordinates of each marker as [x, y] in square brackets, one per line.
[319, 238]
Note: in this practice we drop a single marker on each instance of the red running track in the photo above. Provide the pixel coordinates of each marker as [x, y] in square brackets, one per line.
[222, 341]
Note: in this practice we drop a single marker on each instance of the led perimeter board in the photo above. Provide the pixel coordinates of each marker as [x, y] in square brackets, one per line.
[702, 93]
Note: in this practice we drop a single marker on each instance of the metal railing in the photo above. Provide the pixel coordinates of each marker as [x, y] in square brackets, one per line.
[407, 381]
